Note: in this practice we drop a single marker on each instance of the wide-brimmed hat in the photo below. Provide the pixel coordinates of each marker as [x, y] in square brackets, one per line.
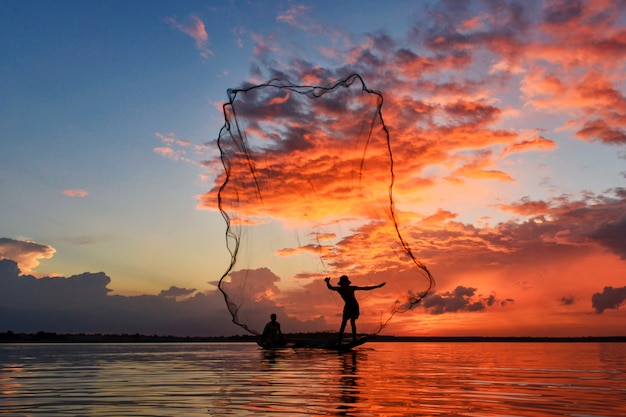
[344, 280]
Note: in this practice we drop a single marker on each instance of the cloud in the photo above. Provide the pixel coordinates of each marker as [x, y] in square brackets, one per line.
[475, 168]
[537, 143]
[168, 152]
[609, 298]
[565, 54]
[196, 29]
[612, 235]
[472, 112]
[435, 118]
[76, 192]
[439, 217]
[461, 299]
[300, 161]
[560, 12]
[567, 300]
[315, 249]
[572, 68]
[603, 131]
[526, 207]
[83, 304]
[175, 292]
[25, 253]
[177, 149]
[295, 15]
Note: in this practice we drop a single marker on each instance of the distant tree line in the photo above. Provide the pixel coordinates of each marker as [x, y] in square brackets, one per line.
[51, 337]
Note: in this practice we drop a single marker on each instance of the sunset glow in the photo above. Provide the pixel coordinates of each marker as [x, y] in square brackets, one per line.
[507, 135]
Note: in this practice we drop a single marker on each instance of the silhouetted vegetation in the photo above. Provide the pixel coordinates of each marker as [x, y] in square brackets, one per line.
[50, 337]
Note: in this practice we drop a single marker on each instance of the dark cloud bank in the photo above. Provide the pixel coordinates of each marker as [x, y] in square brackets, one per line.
[609, 298]
[82, 304]
[461, 299]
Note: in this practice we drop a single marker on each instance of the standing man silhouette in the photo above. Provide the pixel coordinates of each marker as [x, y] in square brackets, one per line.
[351, 308]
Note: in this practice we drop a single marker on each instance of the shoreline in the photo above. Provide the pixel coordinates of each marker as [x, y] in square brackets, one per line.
[50, 337]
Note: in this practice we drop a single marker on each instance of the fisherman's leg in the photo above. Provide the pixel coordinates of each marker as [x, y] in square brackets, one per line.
[353, 324]
[342, 328]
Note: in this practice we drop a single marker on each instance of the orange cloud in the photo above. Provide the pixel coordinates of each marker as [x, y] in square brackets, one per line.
[76, 192]
[574, 68]
[169, 152]
[315, 249]
[537, 143]
[295, 15]
[176, 148]
[25, 253]
[196, 29]
[439, 217]
[473, 23]
[476, 169]
[601, 130]
[526, 207]
[293, 162]
[278, 100]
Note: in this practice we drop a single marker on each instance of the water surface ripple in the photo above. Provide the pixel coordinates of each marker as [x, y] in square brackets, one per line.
[238, 379]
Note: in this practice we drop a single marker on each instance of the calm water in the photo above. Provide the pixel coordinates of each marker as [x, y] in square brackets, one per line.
[238, 379]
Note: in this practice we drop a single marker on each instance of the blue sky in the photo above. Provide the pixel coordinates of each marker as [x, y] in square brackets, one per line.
[86, 89]
[110, 109]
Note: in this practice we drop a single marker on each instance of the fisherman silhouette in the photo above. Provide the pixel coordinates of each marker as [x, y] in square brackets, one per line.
[272, 336]
[351, 307]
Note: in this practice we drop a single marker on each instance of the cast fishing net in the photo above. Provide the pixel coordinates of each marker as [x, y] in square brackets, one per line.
[306, 193]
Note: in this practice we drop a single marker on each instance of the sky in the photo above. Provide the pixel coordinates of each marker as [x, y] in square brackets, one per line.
[507, 125]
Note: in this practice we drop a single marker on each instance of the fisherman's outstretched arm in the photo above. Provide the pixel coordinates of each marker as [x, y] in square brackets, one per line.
[371, 287]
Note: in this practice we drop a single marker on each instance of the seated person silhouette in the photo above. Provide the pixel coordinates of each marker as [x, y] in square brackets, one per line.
[351, 308]
[272, 336]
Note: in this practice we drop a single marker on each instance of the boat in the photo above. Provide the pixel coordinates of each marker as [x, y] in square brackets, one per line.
[325, 344]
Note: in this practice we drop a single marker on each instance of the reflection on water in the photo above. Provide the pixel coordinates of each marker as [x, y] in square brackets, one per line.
[238, 379]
